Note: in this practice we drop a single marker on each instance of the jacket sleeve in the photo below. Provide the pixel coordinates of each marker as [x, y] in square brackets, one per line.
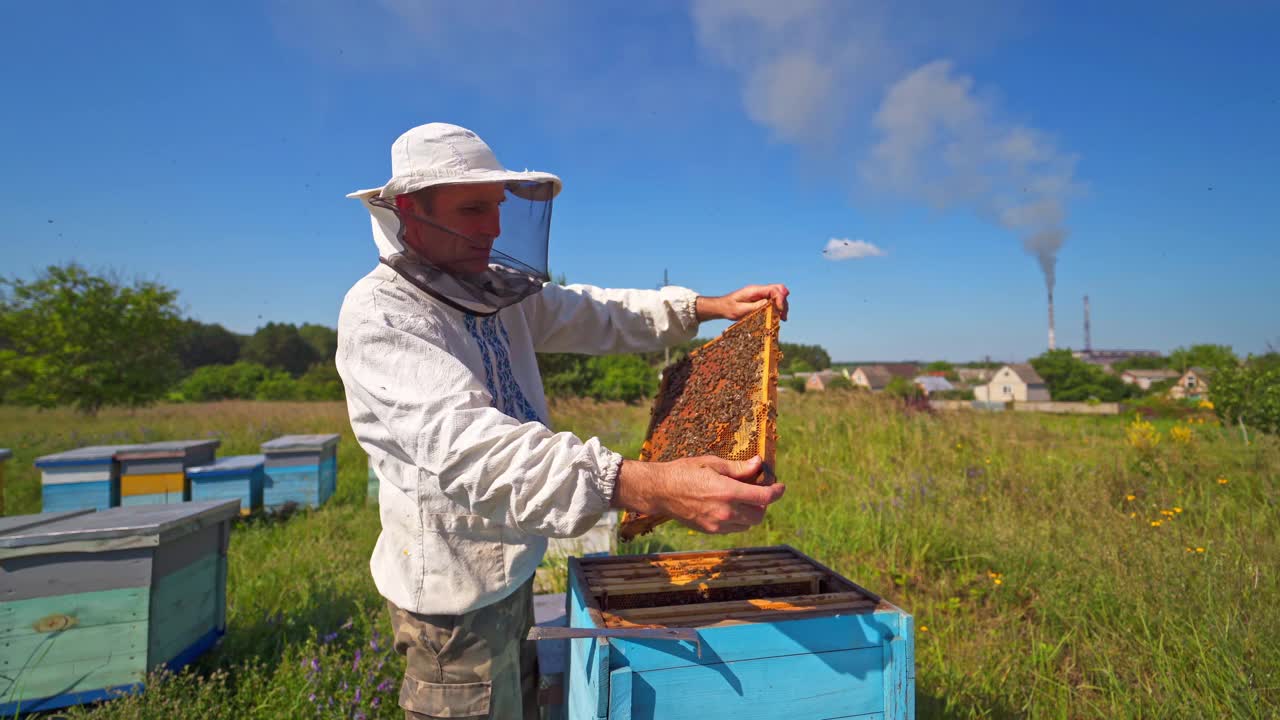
[595, 321]
[439, 414]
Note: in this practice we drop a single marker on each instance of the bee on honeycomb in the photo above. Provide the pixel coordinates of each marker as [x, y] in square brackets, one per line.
[719, 400]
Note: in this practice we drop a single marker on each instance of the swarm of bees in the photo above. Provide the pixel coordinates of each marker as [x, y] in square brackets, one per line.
[719, 400]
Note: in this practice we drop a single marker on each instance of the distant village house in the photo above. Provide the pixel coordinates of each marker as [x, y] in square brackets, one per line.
[1016, 383]
[876, 377]
[819, 381]
[1191, 385]
[1144, 379]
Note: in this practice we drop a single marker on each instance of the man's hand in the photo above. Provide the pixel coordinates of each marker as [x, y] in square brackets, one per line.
[740, 303]
[704, 493]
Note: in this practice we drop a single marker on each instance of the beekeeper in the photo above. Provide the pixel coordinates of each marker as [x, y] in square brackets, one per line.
[436, 351]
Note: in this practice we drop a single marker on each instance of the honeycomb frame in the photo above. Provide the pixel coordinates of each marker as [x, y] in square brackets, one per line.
[719, 400]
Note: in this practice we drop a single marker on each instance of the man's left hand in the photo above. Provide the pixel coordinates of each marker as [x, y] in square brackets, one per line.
[740, 303]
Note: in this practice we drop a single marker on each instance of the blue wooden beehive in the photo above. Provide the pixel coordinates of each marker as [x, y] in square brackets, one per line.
[92, 601]
[238, 476]
[779, 636]
[301, 469]
[86, 478]
[156, 473]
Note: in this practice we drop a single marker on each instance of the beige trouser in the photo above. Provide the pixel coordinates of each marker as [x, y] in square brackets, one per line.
[475, 665]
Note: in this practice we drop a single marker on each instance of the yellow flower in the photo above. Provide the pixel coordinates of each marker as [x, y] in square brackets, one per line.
[1205, 405]
[924, 628]
[1181, 435]
[1190, 550]
[1133, 514]
[998, 581]
[1222, 481]
[1155, 523]
[1167, 513]
[1142, 435]
[692, 532]
[1130, 497]
[1199, 549]
[1177, 509]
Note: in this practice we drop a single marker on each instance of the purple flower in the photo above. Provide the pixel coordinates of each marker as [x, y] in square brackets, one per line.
[373, 645]
[375, 702]
[347, 625]
[384, 686]
[359, 716]
[330, 637]
[344, 684]
[315, 664]
[312, 698]
[357, 698]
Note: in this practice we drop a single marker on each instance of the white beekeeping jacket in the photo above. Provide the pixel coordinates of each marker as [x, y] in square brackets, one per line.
[451, 410]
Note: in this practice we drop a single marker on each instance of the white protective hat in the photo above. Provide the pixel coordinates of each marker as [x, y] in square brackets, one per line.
[444, 154]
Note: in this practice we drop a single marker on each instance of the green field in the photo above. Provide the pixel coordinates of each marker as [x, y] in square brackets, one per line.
[1026, 547]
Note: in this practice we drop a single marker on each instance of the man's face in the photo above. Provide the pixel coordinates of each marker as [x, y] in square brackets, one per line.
[471, 211]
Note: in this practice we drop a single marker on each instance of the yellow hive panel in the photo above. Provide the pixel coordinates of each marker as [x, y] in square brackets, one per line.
[151, 484]
[720, 400]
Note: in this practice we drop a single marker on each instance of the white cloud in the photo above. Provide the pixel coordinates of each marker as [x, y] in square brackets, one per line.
[846, 249]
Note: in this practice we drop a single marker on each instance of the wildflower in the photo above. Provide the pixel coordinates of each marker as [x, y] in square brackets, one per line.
[315, 664]
[692, 532]
[356, 699]
[330, 637]
[1181, 435]
[924, 628]
[1142, 435]
[1190, 550]
[1155, 523]
[1177, 509]
[1130, 497]
[1167, 513]
[1222, 481]
[1205, 405]
[1133, 514]
[1199, 549]
[384, 686]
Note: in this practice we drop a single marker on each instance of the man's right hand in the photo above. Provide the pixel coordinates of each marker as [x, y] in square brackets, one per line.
[705, 493]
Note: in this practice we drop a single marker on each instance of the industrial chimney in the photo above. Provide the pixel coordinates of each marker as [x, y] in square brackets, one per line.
[1052, 342]
[1088, 344]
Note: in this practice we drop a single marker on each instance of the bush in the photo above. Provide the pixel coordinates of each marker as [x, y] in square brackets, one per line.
[321, 382]
[840, 382]
[794, 383]
[240, 381]
[903, 388]
[279, 386]
[623, 377]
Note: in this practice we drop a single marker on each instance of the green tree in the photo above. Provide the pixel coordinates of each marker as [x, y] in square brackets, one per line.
[226, 382]
[1140, 363]
[1073, 380]
[941, 366]
[324, 340]
[1248, 394]
[814, 356]
[321, 382]
[900, 387]
[207, 344]
[1204, 356]
[623, 377]
[70, 337]
[840, 382]
[566, 374]
[281, 347]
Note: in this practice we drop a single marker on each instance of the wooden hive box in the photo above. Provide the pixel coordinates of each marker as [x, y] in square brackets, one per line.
[90, 602]
[86, 478]
[156, 473]
[719, 400]
[779, 636]
[301, 469]
[238, 476]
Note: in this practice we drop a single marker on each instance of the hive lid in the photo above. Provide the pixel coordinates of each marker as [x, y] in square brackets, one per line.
[300, 443]
[179, 449]
[720, 400]
[91, 455]
[227, 465]
[5, 453]
[112, 529]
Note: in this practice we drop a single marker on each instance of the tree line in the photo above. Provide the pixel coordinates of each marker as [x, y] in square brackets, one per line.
[73, 337]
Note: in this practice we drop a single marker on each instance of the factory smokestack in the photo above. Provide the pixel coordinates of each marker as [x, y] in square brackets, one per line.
[1052, 342]
[1088, 344]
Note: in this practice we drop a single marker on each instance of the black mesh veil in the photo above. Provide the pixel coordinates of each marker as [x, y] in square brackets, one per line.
[469, 255]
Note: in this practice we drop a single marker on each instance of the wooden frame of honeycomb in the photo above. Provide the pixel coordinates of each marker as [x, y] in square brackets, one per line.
[719, 400]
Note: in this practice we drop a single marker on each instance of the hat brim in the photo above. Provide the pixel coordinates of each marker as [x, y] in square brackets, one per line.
[530, 185]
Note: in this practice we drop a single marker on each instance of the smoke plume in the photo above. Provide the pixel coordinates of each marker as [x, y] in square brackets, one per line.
[941, 142]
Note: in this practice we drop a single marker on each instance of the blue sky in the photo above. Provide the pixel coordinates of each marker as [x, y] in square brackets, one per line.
[210, 149]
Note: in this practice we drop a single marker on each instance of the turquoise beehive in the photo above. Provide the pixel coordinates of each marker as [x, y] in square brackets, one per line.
[86, 478]
[93, 601]
[238, 476]
[775, 635]
[301, 470]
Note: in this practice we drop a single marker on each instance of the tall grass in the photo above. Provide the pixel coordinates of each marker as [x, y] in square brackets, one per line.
[1038, 586]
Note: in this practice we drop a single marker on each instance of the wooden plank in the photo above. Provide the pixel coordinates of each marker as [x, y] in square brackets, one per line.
[67, 476]
[184, 551]
[620, 694]
[105, 607]
[699, 620]
[152, 484]
[157, 466]
[687, 554]
[780, 604]
[707, 565]
[684, 576]
[587, 676]
[15, 523]
[751, 577]
[899, 664]
[22, 652]
[55, 681]
[69, 573]
[797, 687]
[76, 496]
[749, 641]
[184, 606]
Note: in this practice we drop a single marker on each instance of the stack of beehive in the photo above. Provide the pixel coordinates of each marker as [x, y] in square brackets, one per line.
[301, 470]
[86, 478]
[156, 473]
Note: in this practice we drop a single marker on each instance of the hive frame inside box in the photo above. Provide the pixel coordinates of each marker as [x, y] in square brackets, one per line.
[844, 657]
